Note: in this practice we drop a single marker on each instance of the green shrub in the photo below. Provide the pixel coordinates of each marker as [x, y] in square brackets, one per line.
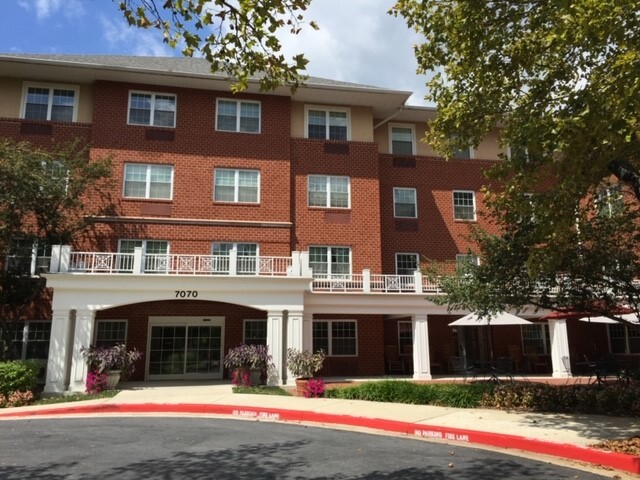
[445, 395]
[17, 376]
[619, 400]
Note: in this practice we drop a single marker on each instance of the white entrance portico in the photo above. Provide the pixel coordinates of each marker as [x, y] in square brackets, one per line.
[77, 298]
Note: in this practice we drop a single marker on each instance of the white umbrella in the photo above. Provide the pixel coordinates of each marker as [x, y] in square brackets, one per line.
[501, 318]
[629, 317]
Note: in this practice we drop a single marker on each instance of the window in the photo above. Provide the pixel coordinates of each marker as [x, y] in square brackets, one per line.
[27, 257]
[406, 263]
[247, 254]
[466, 259]
[110, 332]
[404, 203]
[238, 186]
[153, 109]
[402, 140]
[148, 181]
[238, 116]
[535, 338]
[609, 201]
[335, 337]
[155, 254]
[464, 205]
[463, 154]
[29, 339]
[327, 124]
[405, 337]
[327, 261]
[624, 339]
[49, 103]
[332, 192]
[255, 332]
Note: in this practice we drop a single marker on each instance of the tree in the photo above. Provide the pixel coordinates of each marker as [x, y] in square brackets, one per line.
[42, 203]
[238, 38]
[560, 80]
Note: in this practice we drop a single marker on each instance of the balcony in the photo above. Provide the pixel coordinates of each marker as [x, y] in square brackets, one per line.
[65, 261]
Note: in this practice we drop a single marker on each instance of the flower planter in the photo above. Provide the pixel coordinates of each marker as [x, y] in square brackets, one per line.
[301, 387]
[113, 378]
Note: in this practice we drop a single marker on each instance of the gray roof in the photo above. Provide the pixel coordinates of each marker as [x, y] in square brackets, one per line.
[168, 65]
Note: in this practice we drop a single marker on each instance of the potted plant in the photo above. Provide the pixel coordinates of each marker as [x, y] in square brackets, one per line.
[304, 365]
[248, 364]
[109, 364]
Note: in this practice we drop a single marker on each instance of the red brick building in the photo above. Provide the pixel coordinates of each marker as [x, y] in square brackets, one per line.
[294, 220]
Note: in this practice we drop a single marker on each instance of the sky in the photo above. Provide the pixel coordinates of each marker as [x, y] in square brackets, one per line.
[357, 41]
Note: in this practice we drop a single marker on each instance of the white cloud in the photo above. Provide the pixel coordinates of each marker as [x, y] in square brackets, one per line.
[43, 9]
[359, 42]
[133, 41]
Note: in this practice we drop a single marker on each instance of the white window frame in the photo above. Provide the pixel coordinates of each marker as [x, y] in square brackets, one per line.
[147, 180]
[473, 197]
[236, 185]
[105, 321]
[417, 257]
[152, 264]
[26, 324]
[240, 259]
[469, 258]
[627, 344]
[239, 103]
[413, 137]
[546, 342]
[415, 202]
[50, 87]
[327, 109]
[244, 328]
[330, 323]
[459, 157]
[328, 192]
[153, 109]
[329, 263]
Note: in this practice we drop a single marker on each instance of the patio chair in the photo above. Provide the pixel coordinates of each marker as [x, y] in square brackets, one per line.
[392, 359]
[535, 362]
[458, 367]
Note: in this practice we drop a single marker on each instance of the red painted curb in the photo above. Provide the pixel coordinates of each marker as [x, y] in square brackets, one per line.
[592, 456]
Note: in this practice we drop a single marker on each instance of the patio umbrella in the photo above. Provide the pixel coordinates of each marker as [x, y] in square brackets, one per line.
[629, 317]
[476, 320]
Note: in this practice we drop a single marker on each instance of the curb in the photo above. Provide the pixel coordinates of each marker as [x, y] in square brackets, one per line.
[620, 461]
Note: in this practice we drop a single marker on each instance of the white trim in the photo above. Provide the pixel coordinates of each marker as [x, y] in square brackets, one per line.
[417, 255]
[153, 103]
[238, 103]
[328, 191]
[147, 192]
[236, 185]
[51, 87]
[453, 199]
[330, 336]
[415, 201]
[327, 109]
[413, 137]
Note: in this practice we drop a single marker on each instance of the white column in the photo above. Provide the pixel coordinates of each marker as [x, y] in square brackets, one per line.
[59, 345]
[138, 265]
[275, 336]
[307, 331]
[295, 330]
[421, 360]
[65, 258]
[366, 280]
[54, 266]
[560, 359]
[294, 270]
[305, 269]
[83, 337]
[417, 281]
[233, 261]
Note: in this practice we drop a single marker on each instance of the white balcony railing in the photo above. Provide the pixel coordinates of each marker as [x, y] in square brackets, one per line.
[63, 260]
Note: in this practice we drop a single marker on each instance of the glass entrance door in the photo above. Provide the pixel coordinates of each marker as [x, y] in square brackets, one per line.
[187, 351]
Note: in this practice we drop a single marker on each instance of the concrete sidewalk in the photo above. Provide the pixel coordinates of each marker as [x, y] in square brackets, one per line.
[558, 435]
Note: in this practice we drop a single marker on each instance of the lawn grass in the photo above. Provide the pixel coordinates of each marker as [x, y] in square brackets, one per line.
[262, 390]
[75, 397]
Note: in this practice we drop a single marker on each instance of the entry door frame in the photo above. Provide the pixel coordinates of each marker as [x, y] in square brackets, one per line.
[182, 321]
